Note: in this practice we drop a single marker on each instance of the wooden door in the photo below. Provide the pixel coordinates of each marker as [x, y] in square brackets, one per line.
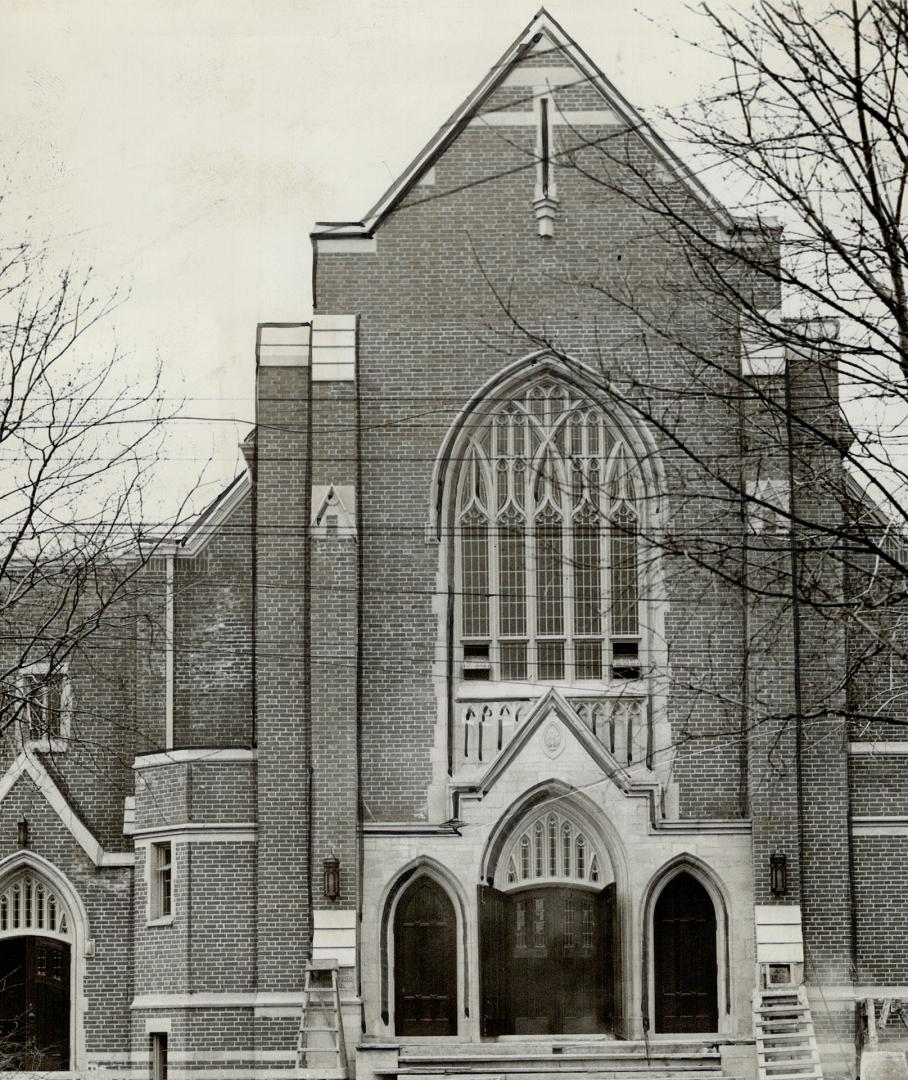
[608, 928]
[495, 961]
[557, 963]
[579, 941]
[35, 1003]
[684, 950]
[425, 961]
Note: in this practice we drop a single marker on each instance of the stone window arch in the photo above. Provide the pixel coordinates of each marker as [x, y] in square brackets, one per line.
[547, 506]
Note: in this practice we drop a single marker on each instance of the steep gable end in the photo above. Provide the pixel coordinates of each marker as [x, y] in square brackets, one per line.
[544, 68]
[28, 768]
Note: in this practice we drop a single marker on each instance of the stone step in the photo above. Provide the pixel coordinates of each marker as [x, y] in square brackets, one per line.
[696, 1050]
[691, 1066]
[523, 1071]
[560, 1065]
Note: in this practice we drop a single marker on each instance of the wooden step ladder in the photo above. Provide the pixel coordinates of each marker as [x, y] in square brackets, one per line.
[320, 1051]
[783, 1029]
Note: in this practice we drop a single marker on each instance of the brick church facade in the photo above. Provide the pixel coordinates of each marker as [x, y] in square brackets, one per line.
[421, 710]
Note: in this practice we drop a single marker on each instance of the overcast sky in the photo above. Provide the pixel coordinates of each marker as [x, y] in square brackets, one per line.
[183, 149]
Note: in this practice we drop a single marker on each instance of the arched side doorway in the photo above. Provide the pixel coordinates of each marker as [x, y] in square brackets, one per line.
[36, 937]
[425, 960]
[547, 933]
[685, 959]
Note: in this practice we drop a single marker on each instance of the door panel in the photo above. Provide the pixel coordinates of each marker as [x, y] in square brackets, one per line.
[532, 953]
[35, 1003]
[684, 948]
[495, 961]
[425, 961]
[608, 925]
[50, 988]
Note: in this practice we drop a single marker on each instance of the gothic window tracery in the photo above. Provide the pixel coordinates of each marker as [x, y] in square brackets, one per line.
[29, 905]
[547, 525]
[561, 852]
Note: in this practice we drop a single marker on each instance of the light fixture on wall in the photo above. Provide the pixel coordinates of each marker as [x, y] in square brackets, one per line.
[778, 873]
[331, 877]
[22, 832]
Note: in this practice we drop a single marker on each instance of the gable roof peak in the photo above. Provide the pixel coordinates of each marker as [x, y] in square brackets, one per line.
[570, 54]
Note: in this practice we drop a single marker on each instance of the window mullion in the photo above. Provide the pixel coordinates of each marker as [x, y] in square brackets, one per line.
[529, 542]
[568, 584]
[605, 579]
[494, 595]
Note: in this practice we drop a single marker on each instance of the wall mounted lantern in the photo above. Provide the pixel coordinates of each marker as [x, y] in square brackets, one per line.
[778, 873]
[331, 878]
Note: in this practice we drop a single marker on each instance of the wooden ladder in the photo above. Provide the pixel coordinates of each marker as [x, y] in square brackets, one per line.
[783, 1028]
[320, 1051]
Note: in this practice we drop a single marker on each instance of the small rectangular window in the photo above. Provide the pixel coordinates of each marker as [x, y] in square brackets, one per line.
[625, 660]
[476, 662]
[42, 703]
[161, 881]
[158, 1041]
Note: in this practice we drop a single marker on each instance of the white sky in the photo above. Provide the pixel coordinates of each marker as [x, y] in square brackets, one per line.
[183, 149]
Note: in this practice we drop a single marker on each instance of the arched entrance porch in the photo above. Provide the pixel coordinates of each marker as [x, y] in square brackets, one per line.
[37, 1006]
[548, 927]
[686, 949]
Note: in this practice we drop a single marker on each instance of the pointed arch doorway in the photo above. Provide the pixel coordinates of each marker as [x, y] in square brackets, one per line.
[36, 934]
[547, 933]
[425, 960]
[685, 958]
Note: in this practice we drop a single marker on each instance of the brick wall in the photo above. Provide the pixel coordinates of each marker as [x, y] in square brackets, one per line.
[213, 638]
[880, 881]
[283, 488]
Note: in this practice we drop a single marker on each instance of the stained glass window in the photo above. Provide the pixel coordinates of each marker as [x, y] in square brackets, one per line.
[548, 530]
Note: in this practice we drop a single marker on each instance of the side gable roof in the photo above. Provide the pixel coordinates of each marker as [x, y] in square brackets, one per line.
[29, 765]
[215, 515]
[542, 34]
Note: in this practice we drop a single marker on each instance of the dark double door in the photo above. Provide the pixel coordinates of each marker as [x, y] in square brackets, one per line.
[34, 1003]
[547, 961]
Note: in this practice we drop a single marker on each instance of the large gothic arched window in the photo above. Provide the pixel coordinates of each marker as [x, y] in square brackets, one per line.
[547, 527]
